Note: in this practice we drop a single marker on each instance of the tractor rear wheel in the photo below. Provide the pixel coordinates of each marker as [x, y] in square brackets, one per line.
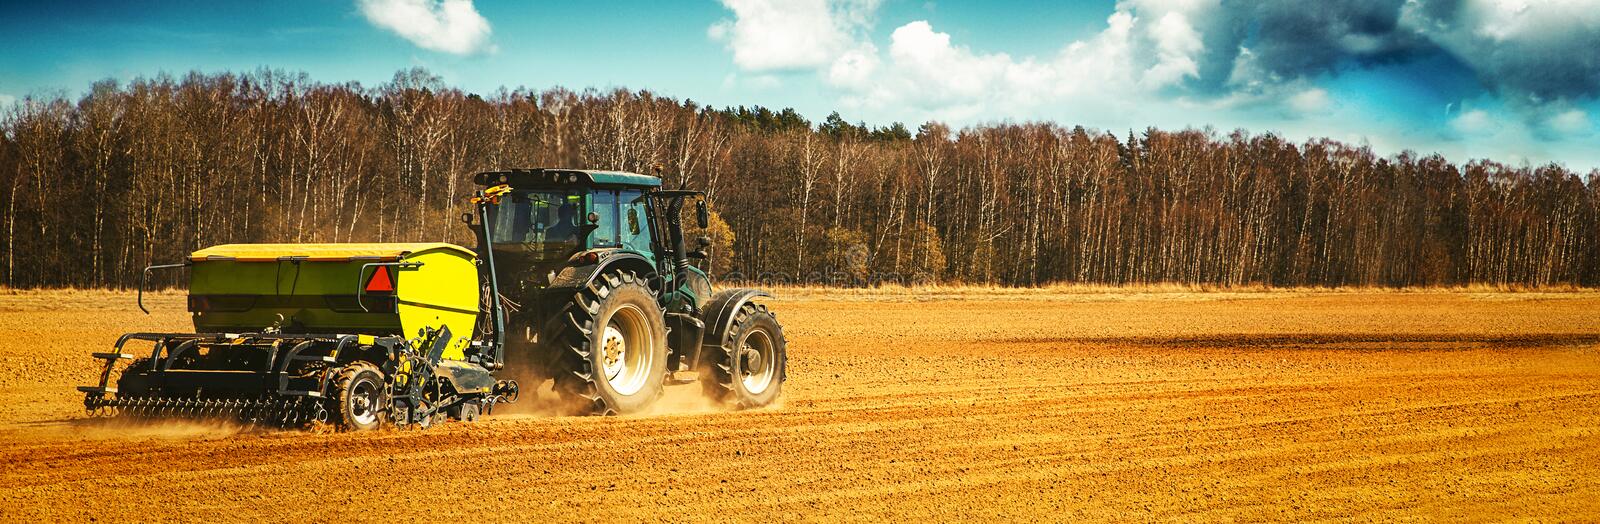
[749, 369]
[360, 393]
[612, 345]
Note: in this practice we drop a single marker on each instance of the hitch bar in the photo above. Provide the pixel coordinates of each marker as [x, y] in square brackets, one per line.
[145, 281]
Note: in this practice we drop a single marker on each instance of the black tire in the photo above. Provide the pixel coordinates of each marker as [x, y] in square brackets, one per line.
[358, 392]
[735, 377]
[622, 302]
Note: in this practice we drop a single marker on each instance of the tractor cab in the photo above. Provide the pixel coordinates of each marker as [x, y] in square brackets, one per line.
[546, 221]
[535, 231]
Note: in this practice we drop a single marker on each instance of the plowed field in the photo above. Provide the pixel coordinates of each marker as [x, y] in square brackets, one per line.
[1040, 405]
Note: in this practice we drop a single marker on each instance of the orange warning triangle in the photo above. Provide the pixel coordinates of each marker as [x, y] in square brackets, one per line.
[380, 281]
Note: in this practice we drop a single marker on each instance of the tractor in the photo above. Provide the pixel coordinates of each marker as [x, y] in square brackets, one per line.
[581, 279]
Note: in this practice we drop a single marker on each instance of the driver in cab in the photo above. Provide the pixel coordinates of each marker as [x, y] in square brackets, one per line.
[566, 228]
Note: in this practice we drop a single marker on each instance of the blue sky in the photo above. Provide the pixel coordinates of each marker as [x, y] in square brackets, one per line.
[1513, 80]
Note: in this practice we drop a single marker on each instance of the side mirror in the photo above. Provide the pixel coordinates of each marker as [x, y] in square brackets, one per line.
[467, 218]
[704, 241]
[702, 215]
[594, 218]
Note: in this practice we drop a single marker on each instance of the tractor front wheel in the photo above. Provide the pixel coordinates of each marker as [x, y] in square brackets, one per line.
[748, 370]
[612, 344]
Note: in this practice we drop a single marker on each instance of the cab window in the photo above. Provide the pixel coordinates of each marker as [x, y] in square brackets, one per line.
[635, 221]
[536, 217]
[538, 225]
[606, 233]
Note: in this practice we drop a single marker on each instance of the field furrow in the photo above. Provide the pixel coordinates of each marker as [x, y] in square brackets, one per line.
[1044, 406]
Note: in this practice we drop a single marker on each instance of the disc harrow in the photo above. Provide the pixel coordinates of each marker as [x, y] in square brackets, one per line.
[294, 412]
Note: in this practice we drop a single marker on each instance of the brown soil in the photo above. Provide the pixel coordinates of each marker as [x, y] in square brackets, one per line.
[1018, 405]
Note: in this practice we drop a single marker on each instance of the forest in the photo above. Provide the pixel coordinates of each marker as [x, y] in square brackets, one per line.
[130, 174]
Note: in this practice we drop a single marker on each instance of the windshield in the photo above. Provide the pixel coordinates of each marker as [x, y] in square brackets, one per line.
[542, 224]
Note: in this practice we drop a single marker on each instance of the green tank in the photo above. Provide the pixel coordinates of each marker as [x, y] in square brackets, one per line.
[369, 289]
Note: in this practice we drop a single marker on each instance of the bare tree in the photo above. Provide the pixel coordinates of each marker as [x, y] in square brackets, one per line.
[166, 165]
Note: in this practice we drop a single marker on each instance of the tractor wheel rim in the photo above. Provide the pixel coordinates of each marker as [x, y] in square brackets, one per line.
[756, 365]
[363, 402]
[614, 346]
[627, 346]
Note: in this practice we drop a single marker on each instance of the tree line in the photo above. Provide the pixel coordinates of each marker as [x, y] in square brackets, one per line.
[141, 173]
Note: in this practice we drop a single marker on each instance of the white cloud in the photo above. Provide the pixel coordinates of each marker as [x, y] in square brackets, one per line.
[945, 72]
[1314, 100]
[787, 35]
[1512, 20]
[1176, 44]
[6, 100]
[450, 26]
[1539, 55]
[855, 67]
[1474, 122]
[1571, 122]
[926, 72]
[1195, 63]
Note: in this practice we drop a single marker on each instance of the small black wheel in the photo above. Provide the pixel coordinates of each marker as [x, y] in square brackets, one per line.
[749, 369]
[359, 392]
